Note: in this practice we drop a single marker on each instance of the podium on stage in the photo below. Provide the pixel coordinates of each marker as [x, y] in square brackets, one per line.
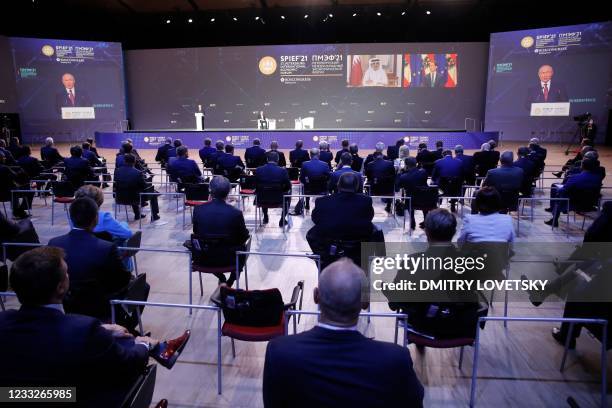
[78, 112]
[199, 118]
[550, 109]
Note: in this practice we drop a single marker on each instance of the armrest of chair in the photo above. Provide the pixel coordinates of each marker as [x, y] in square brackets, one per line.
[298, 292]
[140, 394]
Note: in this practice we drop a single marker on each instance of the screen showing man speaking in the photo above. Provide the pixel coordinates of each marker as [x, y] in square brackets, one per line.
[540, 80]
[68, 89]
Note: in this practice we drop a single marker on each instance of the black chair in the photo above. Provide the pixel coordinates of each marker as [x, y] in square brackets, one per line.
[341, 248]
[269, 196]
[583, 201]
[196, 194]
[294, 174]
[63, 193]
[141, 393]
[125, 198]
[129, 316]
[425, 198]
[133, 242]
[247, 186]
[509, 199]
[316, 184]
[382, 186]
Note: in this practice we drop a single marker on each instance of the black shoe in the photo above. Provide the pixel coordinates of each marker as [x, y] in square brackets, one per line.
[388, 208]
[265, 219]
[558, 174]
[155, 217]
[453, 208]
[307, 206]
[549, 209]
[282, 223]
[20, 215]
[412, 225]
[139, 216]
[422, 225]
[551, 222]
[536, 303]
[559, 338]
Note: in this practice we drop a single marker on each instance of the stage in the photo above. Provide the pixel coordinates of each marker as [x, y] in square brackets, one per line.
[286, 138]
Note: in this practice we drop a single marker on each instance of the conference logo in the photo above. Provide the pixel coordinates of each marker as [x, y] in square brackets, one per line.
[527, 42]
[47, 50]
[267, 65]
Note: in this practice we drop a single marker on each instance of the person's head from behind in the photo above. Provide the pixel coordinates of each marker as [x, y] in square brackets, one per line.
[380, 146]
[533, 142]
[585, 149]
[345, 144]
[522, 151]
[256, 142]
[76, 151]
[272, 157]
[339, 293]
[410, 163]
[84, 213]
[85, 146]
[274, 145]
[400, 142]
[219, 187]
[493, 144]
[348, 183]
[127, 148]
[219, 145]
[314, 153]
[14, 141]
[40, 276]
[439, 145]
[485, 147]
[592, 155]
[229, 149]
[207, 142]
[589, 164]
[346, 159]
[92, 192]
[26, 150]
[323, 146]
[182, 151]
[168, 140]
[404, 151]
[353, 148]
[488, 201]
[49, 141]
[506, 158]
[68, 80]
[440, 225]
[299, 144]
[177, 143]
[447, 153]
[422, 146]
[129, 160]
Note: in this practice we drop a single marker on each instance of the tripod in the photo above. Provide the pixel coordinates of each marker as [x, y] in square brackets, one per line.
[576, 138]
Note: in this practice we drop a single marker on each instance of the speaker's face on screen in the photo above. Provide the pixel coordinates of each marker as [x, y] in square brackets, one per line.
[432, 66]
[375, 65]
[545, 73]
[68, 81]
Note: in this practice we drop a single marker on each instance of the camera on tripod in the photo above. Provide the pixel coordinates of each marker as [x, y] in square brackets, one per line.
[583, 118]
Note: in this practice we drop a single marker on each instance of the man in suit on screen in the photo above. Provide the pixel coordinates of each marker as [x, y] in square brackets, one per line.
[69, 97]
[434, 79]
[546, 90]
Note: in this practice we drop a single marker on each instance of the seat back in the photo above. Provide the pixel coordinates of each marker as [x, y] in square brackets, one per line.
[425, 198]
[270, 194]
[214, 250]
[137, 290]
[294, 173]
[63, 188]
[141, 394]
[382, 186]
[248, 182]
[316, 184]
[124, 196]
[341, 248]
[509, 199]
[197, 191]
[133, 242]
[255, 308]
[451, 186]
[584, 200]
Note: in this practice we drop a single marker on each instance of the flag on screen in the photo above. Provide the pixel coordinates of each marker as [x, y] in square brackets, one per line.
[356, 71]
[451, 63]
[407, 72]
[416, 68]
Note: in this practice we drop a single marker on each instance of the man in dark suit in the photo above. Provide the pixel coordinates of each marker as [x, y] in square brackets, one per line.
[298, 156]
[131, 182]
[139, 164]
[537, 152]
[96, 270]
[219, 151]
[381, 176]
[162, 152]
[102, 361]
[485, 160]
[206, 152]
[229, 165]
[333, 364]
[346, 160]
[380, 146]
[272, 173]
[425, 158]
[219, 219]
[49, 154]
[184, 168]
[31, 165]
[448, 174]
[434, 79]
[439, 152]
[410, 180]
[9, 160]
[393, 151]
[11, 180]
[314, 175]
[547, 90]
[69, 97]
[255, 156]
[78, 170]
[282, 162]
[506, 177]
[90, 156]
[345, 149]
[171, 152]
[357, 162]
[324, 153]
[529, 170]
[468, 165]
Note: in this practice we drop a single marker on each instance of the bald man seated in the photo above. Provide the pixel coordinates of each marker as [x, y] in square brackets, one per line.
[333, 364]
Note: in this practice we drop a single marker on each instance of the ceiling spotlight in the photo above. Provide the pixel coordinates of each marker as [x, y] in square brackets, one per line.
[282, 17]
[403, 13]
[212, 20]
[256, 18]
[305, 15]
[354, 14]
[190, 21]
[379, 14]
[428, 12]
[234, 18]
[168, 21]
[330, 15]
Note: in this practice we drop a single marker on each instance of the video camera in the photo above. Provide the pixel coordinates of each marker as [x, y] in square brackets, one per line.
[583, 118]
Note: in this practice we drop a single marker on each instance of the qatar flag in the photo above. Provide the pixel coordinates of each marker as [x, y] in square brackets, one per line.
[356, 71]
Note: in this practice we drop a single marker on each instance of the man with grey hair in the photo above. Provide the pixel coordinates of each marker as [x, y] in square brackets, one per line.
[485, 160]
[221, 220]
[282, 162]
[324, 153]
[329, 364]
[314, 177]
[507, 177]
[206, 151]
[49, 154]
[380, 146]
[468, 165]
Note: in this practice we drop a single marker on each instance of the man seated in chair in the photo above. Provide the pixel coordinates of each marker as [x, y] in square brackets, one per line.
[132, 182]
[448, 168]
[282, 162]
[230, 165]
[183, 168]
[314, 175]
[78, 170]
[346, 215]
[49, 154]
[162, 152]
[298, 156]
[206, 151]
[345, 166]
[381, 176]
[529, 170]
[51, 348]
[329, 364]
[219, 219]
[411, 179]
[269, 174]
[255, 155]
[96, 270]
[507, 177]
[441, 314]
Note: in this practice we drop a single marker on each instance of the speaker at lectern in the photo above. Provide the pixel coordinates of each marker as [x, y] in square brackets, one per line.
[199, 118]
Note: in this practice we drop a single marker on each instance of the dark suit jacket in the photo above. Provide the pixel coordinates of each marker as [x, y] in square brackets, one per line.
[392, 152]
[437, 154]
[8, 157]
[162, 152]
[426, 160]
[31, 165]
[587, 180]
[96, 272]
[439, 82]
[91, 158]
[327, 157]
[131, 181]
[313, 168]
[8, 181]
[255, 156]
[282, 162]
[205, 153]
[357, 163]
[212, 158]
[184, 168]
[468, 165]
[528, 166]
[335, 177]
[343, 216]
[410, 180]
[297, 157]
[447, 167]
[81, 98]
[78, 170]
[369, 159]
[505, 178]
[339, 154]
[327, 368]
[556, 93]
[380, 169]
[216, 217]
[229, 161]
[272, 174]
[50, 348]
[50, 155]
[485, 161]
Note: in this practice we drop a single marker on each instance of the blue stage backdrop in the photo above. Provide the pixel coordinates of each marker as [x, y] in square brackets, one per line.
[8, 97]
[286, 139]
[45, 69]
[577, 60]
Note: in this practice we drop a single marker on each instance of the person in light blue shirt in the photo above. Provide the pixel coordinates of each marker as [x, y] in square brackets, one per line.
[488, 225]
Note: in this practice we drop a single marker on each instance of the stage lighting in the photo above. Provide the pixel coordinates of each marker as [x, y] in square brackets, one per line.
[354, 14]
[282, 17]
[403, 13]
[234, 18]
[190, 21]
[212, 20]
[379, 14]
[330, 15]
[168, 21]
[428, 12]
[305, 15]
